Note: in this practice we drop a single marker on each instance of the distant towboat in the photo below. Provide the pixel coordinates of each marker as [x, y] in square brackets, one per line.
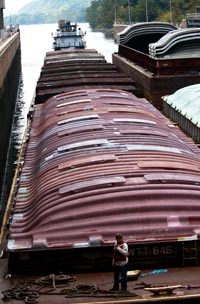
[68, 35]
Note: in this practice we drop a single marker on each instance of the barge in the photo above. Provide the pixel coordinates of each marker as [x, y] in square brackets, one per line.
[159, 58]
[182, 107]
[96, 160]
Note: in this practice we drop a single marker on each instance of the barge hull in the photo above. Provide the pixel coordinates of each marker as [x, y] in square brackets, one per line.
[152, 86]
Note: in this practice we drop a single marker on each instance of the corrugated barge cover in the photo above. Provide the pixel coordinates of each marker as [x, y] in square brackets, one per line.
[66, 71]
[102, 161]
[182, 43]
[186, 101]
[142, 28]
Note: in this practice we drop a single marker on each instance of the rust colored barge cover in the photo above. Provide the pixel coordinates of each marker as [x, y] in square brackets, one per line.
[102, 161]
[65, 71]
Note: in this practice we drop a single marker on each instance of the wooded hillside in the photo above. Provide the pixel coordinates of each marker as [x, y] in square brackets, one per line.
[103, 13]
[50, 11]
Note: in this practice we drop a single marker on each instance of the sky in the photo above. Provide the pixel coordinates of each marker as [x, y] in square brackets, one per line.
[13, 6]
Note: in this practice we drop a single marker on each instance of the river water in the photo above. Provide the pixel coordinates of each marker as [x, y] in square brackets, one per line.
[36, 40]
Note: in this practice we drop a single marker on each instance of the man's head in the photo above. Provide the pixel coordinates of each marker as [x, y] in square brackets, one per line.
[119, 237]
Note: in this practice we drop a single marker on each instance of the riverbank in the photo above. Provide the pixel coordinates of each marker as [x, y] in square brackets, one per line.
[112, 33]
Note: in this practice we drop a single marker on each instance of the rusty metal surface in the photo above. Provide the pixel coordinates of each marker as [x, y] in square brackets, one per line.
[162, 67]
[94, 287]
[74, 74]
[67, 70]
[154, 87]
[69, 287]
[86, 79]
[102, 161]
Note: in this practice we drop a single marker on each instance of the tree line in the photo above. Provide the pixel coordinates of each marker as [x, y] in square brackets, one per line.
[104, 13]
[49, 11]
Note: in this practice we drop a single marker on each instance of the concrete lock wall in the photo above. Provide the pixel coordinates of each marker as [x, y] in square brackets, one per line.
[10, 69]
[2, 6]
[7, 53]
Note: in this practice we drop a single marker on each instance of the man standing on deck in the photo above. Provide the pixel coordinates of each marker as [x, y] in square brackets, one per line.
[119, 262]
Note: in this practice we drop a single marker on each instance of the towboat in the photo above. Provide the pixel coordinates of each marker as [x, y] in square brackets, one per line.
[68, 35]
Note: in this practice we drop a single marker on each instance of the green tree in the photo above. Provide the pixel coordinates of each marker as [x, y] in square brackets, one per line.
[103, 13]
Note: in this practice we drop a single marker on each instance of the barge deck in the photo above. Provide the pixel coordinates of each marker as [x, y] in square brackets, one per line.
[174, 285]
